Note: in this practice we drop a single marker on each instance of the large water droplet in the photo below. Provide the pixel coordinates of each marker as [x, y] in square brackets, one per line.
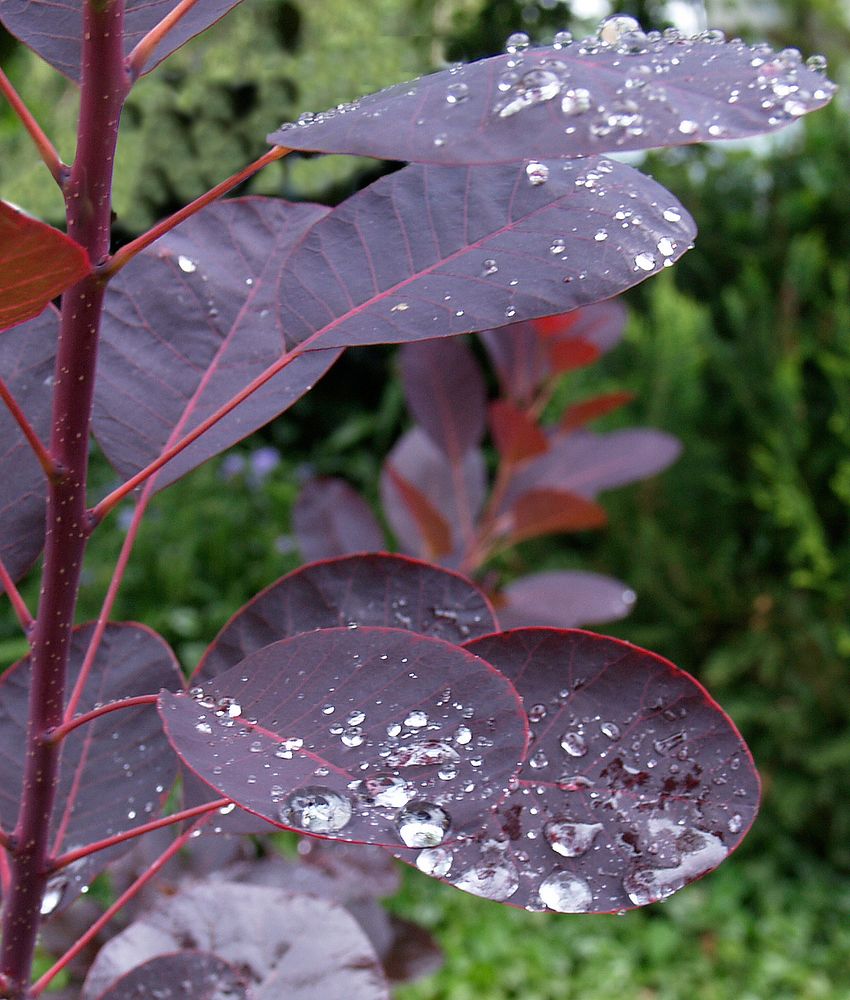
[575, 101]
[434, 861]
[574, 744]
[384, 790]
[537, 86]
[644, 262]
[492, 880]
[517, 42]
[611, 730]
[568, 839]
[562, 39]
[423, 824]
[537, 173]
[566, 893]
[613, 28]
[316, 809]
[456, 93]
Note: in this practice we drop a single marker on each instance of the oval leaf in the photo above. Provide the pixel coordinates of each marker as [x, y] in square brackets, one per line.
[195, 975]
[577, 100]
[115, 771]
[636, 782]
[579, 414]
[37, 263]
[435, 251]
[369, 735]
[331, 519]
[563, 599]
[288, 945]
[375, 589]
[184, 330]
[542, 512]
[433, 528]
[515, 433]
[26, 363]
[54, 28]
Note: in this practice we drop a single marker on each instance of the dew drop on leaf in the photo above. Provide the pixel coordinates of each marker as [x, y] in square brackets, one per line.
[384, 790]
[423, 824]
[574, 744]
[186, 264]
[644, 262]
[570, 840]
[565, 893]
[316, 810]
[492, 879]
[435, 861]
[537, 173]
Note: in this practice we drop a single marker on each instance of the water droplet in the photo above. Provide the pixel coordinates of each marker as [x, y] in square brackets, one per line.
[575, 101]
[422, 753]
[700, 852]
[687, 127]
[355, 718]
[328, 709]
[352, 737]
[496, 879]
[669, 743]
[537, 173]
[186, 264]
[416, 719]
[422, 824]
[434, 861]
[384, 790]
[537, 713]
[817, 63]
[463, 735]
[672, 215]
[537, 86]
[400, 307]
[517, 42]
[644, 262]
[570, 839]
[574, 744]
[613, 28]
[394, 729]
[53, 895]
[735, 823]
[562, 39]
[316, 810]
[488, 267]
[204, 727]
[256, 747]
[601, 235]
[611, 730]
[538, 760]
[510, 312]
[566, 893]
[440, 139]
[666, 247]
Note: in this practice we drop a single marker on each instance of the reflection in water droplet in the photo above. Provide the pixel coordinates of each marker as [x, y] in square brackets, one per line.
[463, 735]
[566, 893]
[537, 713]
[700, 852]
[384, 790]
[611, 730]
[456, 93]
[517, 42]
[562, 39]
[687, 127]
[666, 247]
[416, 720]
[735, 823]
[613, 28]
[497, 880]
[575, 101]
[422, 824]
[488, 267]
[570, 840]
[434, 861]
[644, 262]
[574, 744]
[186, 264]
[316, 809]
[53, 895]
[537, 173]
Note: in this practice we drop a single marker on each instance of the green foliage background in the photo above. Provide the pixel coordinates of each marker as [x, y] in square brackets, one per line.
[740, 553]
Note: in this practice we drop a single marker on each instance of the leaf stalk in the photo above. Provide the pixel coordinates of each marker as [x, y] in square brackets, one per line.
[59, 170]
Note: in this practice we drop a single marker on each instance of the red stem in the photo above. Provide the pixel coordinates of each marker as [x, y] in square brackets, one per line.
[57, 168]
[88, 207]
[22, 612]
[44, 457]
[138, 831]
[129, 251]
[40, 985]
[143, 51]
[60, 732]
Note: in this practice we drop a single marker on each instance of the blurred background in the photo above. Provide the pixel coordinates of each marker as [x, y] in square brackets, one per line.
[739, 553]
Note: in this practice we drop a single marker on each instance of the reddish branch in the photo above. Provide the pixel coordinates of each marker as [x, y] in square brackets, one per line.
[138, 58]
[57, 168]
[19, 606]
[51, 470]
[60, 732]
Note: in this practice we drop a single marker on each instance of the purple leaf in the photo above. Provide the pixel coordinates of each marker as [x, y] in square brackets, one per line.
[26, 364]
[457, 494]
[190, 322]
[587, 463]
[445, 394]
[331, 519]
[434, 530]
[370, 735]
[434, 251]
[564, 599]
[54, 28]
[379, 589]
[601, 325]
[194, 975]
[115, 771]
[288, 945]
[581, 99]
[37, 263]
[636, 782]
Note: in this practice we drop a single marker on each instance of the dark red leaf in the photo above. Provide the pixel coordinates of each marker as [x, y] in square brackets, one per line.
[445, 394]
[115, 771]
[182, 975]
[601, 324]
[579, 414]
[564, 599]
[434, 530]
[542, 512]
[456, 494]
[567, 355]
[368, 735]
[184, 329]
[26, 365]
[331, 519]
[516, 435]
[576, 100]
[380, 589]
[37, 263]
[586, 463]
[54, 28]
[288, 945]
[433, 251]
[636, 782]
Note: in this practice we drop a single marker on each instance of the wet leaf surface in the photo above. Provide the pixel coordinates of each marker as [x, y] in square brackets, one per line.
[54, 28]
[369, 735]
[115, 771]
[636, 782]
[286, 945]
[578, 99]
[37, 263]
[183, 975]
[26, 363]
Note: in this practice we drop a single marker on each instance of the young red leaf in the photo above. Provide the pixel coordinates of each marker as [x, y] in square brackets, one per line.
[601, 324]
[457, 494]
[201, 976]
[26, 364]
[564, 599]
[54, 28]
[288, 945]
[331, 519]
[115, 771]
[376, 589]
[516, 435]
[571, 101]
[369, 735]
[432, 526]
[445, 394]
[542, 512]
[637, 783]
[184, 330]
[579, 414]
[567, 355]
[37, 263]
